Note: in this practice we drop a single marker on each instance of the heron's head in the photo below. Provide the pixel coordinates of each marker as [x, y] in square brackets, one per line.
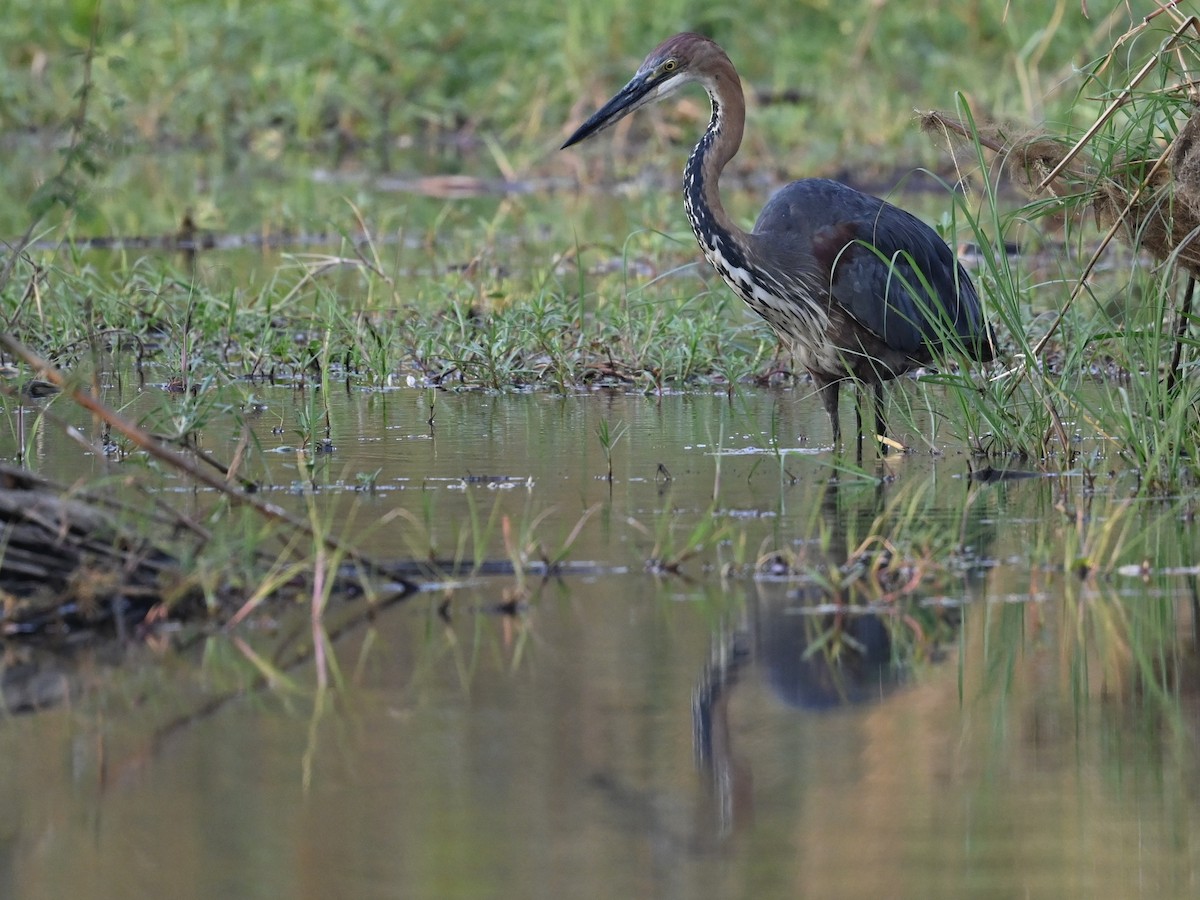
[672, 64]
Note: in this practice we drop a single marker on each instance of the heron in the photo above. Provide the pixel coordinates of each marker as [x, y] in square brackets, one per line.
[860, 289]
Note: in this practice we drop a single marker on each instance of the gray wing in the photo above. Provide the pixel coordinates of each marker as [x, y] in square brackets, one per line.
[885, 267]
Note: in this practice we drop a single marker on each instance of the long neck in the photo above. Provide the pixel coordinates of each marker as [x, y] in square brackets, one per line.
[720, 142]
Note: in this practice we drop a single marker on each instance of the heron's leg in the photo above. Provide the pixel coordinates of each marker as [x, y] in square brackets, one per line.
[859, 388]
[880, 424]
[828, 389]
[858, 401]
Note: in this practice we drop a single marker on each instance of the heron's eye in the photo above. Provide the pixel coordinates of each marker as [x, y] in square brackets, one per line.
[668, 66]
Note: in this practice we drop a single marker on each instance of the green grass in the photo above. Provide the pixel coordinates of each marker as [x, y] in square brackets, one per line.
[322, 72]
[478, 89]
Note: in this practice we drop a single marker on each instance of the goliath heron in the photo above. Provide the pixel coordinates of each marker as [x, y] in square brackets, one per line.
[859, 288]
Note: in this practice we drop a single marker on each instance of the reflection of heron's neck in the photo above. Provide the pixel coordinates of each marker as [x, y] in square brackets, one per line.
[730, 779]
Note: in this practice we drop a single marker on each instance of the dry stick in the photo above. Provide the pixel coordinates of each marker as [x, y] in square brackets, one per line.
[1165, 7]
[147, 442]
[946, 123]
[1119, 100]
[1116, 226]
[1109, 111]
[9, 264]
[1104, 27]
[169, 515]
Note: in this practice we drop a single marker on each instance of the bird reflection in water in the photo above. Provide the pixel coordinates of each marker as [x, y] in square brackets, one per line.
[817, 649]
[809, 662]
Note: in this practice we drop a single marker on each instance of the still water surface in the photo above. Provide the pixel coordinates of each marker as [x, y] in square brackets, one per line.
[629, 735]
[1000, 729]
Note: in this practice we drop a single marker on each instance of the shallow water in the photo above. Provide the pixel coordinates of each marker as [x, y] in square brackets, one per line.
[992, 732]
[994, 725]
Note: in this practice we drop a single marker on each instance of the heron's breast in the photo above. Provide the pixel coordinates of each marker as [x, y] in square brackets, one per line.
[795, 313]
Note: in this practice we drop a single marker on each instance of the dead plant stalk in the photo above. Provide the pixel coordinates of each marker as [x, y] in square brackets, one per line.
[173, 458]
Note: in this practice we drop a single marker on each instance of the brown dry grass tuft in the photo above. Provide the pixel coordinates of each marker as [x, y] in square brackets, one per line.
[1151, 197]
[1153, 203]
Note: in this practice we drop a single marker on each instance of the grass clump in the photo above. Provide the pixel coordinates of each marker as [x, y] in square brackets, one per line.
[192, 94]
[1093, 354]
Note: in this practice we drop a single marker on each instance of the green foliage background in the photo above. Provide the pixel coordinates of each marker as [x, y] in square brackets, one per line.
[219, 73]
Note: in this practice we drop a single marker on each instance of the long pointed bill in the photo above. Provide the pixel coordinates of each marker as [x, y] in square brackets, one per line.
[634, 95]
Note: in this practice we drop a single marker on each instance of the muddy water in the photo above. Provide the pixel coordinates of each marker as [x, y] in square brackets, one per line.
[993, 732]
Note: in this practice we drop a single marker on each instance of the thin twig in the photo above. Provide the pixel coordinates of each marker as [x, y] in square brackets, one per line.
[1108, 113]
